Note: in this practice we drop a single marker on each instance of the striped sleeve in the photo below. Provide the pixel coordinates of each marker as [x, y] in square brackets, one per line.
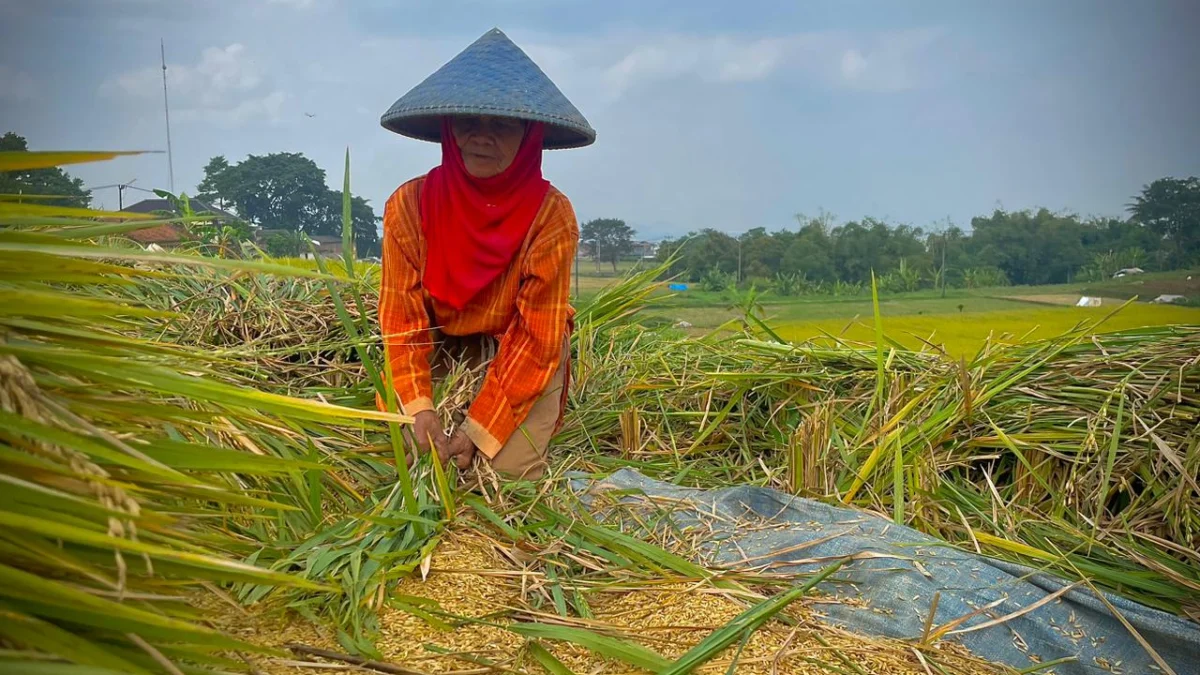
[403, 318]
[531, 348]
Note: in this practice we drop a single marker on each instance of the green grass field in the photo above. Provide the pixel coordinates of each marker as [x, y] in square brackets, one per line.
[960, 323]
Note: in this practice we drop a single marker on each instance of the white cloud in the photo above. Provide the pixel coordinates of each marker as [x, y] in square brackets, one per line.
[748, 62]
[889, 61]
[597, 71]
[896, 61]
[267, 107]
[225, 86]
[16, 85]
[853, 64]
[298, 4]
[720, 59]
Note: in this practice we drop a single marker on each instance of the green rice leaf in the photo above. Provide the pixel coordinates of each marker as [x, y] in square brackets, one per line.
[613, 648]
[45, 636]
[69, 533]
[547, 660]
[746, 622]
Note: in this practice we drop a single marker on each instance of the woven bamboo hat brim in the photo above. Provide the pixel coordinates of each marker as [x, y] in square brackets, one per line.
[491, 77]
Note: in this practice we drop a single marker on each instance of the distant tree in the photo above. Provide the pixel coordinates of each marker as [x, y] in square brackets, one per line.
[286, 244]
[1030, 247]
[947, 246]
[214, 188]
[280, 191]
[699, 252]
[1170, 207]
[612, 237]
[716, 280]
[287, 191]
[788, 284]
[810, 252]
[362, 219]
[761, 254]
[860, 248]
[984, 277]
[50, 181]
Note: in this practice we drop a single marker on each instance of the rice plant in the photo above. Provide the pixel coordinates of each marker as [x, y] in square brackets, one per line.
[176, 424]
[133, 475]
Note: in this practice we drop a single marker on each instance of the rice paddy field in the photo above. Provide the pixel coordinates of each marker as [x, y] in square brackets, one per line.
[197, 479]
[959, 324]
[964, 334]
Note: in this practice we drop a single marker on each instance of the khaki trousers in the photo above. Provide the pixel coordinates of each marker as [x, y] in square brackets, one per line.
[524, 454]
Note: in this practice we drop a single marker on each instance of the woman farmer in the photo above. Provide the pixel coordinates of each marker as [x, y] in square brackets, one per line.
[477, 256]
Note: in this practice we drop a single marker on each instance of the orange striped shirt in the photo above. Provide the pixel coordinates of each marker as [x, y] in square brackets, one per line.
[527, 308]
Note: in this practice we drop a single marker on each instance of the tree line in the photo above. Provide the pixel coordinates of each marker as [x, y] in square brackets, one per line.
[1032, 247]
[286, 192]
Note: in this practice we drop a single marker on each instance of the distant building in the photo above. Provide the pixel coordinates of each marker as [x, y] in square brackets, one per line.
[165, 207]
[1128, 271]
[645, 249]
[327, 245]
[170, 234]
[162, 236]
[1170, 299]
[640, 249]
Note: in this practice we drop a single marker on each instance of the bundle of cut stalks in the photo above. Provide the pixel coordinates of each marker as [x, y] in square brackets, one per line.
[1079, 452]
[280, 333]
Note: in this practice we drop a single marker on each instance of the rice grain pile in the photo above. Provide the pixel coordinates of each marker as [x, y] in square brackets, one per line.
[469, 577]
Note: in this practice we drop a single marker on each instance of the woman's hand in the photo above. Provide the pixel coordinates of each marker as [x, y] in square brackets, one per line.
[461, 449]
[427, 426]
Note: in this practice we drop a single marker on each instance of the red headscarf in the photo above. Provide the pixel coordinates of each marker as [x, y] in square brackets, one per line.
[474, 226]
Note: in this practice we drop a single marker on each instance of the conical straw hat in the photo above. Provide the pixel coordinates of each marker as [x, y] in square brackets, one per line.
[491, 77]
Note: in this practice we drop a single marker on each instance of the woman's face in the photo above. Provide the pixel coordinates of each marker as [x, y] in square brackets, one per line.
[488, 144]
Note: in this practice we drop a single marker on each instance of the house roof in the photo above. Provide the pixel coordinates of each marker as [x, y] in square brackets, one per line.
[326, 239]
[160, 234]
[152, 205]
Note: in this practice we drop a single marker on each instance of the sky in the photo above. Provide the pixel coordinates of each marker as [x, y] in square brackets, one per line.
[709, 114]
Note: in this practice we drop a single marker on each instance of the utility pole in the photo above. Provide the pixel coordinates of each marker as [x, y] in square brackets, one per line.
[944, 264]
[121, 188]
[167, 112]
[739, 274]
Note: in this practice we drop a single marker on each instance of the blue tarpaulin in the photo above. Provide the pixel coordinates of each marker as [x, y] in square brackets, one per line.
[893, 593]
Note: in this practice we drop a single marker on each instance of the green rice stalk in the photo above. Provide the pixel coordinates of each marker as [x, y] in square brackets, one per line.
[744, 624]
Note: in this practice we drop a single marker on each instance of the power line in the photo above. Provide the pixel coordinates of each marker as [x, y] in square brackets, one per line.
[121, 187]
